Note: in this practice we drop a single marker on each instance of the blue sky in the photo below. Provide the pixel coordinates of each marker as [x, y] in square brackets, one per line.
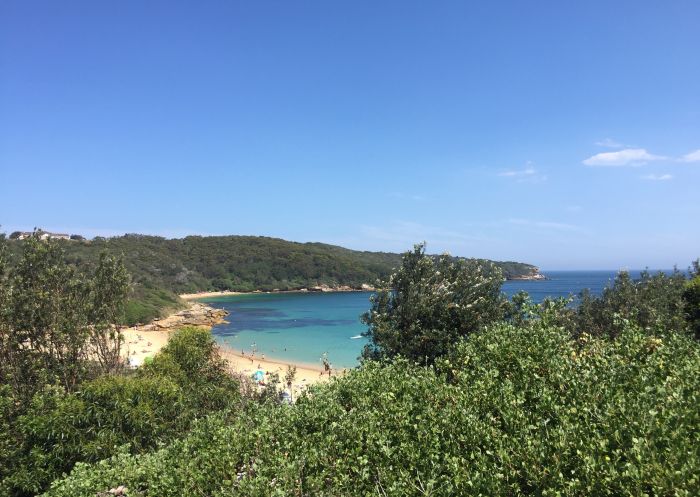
[558, 133]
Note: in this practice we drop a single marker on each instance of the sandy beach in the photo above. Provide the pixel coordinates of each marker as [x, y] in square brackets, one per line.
[145, 341]
[321, 288]
[204, 295]
[248, 365]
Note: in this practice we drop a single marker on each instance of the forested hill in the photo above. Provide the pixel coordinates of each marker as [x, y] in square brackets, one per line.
[247, 263]
[163, 267]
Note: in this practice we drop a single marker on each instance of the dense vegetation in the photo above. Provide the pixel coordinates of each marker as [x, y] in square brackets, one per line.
[514, 411]
[136, 412]
[512, 398]
[163, 268]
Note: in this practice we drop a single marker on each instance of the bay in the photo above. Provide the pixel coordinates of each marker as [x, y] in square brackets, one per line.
[300, 327]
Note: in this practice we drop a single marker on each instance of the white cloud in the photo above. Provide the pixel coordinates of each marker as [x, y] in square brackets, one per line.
[658, 177]
[610, 143]
[529, 171]
[527, 175]
[691, 157]
[627, 157]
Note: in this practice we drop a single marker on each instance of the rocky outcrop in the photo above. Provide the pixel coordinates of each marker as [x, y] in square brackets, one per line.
[197, 314]
[532, 275]
[339, 288]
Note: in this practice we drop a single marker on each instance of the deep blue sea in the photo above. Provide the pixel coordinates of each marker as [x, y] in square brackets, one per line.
[300, 327]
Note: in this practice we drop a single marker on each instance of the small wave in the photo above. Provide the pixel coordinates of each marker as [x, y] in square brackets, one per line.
[355, 337]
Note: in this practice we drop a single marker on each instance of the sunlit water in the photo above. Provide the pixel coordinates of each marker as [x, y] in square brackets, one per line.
[301, 327]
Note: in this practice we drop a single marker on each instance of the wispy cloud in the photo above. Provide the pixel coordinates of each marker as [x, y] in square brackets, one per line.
[398, 236]
[610, 143]
[406, 196]
[691, 157]
[408, 233]
[549, 225]
[529, 171]
[657, 177]
[628, 157]
[527, 175]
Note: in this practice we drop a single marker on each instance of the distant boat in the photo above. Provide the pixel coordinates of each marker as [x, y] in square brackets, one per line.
[355, 337]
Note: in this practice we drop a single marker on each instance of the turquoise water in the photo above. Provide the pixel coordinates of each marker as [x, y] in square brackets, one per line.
[295, 327]
[300, 327]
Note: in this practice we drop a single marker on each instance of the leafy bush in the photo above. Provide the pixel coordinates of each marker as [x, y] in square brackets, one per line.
[511, 411]
[428, 303]
[191, 360]
[654, 302]
[157, 404]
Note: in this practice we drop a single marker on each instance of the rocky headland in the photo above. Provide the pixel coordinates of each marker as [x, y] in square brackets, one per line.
[197, 314]
[533, 275]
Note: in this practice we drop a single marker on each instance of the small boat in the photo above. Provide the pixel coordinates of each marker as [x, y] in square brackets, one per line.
[355, 337]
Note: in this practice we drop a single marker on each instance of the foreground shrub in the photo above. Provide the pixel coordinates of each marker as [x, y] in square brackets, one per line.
[512, 411]
[141, 412]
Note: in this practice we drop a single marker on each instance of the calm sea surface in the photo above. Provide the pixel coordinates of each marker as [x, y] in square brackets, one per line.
[300, 327]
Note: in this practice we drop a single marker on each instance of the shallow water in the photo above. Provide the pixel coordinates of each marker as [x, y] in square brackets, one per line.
[301, 327]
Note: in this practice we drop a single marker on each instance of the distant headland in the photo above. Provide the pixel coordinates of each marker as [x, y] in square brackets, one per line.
[162, 268]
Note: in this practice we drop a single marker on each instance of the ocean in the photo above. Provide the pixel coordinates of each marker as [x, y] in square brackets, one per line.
[301, 327]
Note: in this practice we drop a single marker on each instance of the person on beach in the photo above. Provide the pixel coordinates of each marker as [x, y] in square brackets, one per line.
[326, 364]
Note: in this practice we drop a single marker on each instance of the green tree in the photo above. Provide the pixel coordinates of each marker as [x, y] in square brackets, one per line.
[109, 291]
[653, 302]
[429, 303]
[691, 299]
[47, 320]
[55, 321]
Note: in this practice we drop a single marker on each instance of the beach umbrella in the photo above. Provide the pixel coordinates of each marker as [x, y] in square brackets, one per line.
[259, 375]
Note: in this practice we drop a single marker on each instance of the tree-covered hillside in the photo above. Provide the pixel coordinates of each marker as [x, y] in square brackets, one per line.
[162, 268]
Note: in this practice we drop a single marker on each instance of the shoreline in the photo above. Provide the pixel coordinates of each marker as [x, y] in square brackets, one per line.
[228, 293]
[323, 289]
[247, 365]
[141, 342]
